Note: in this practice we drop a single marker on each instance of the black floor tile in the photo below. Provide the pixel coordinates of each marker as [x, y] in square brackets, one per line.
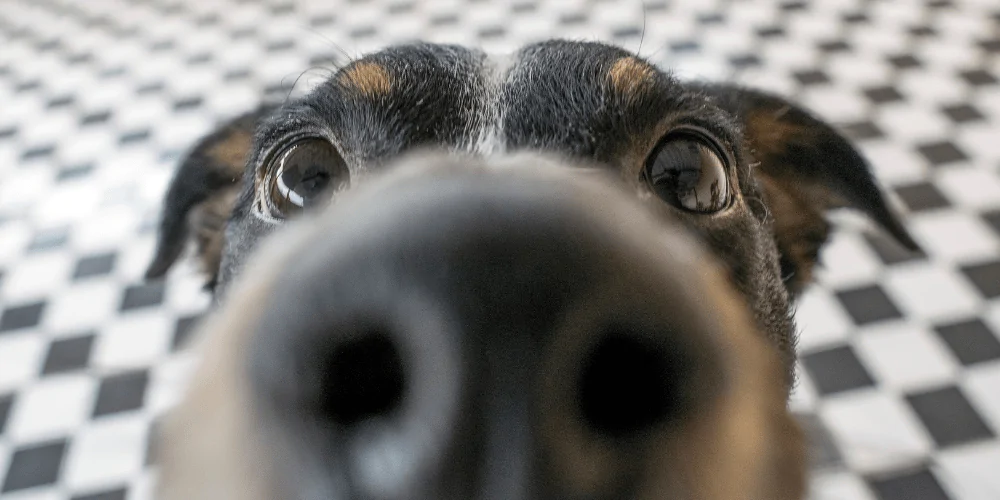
[94, 265]
[121, 392]
[95, 118]
[889, 251]
[922, 196]
[911, 485]
[993, 219]
[941, 153]
[6, 403]
[883, 95]
[833, 46]
[112, 494]
[991, 45]
[836, 370]
[182, 331]
[904, 61]
[971, 341]
[38, 152]
[32, 466]
[70, 354]
[21, 316]
[985, 277]
[144, 295]
[979, 77]
[868, 304]
[962, 113]
[949, 417]
[862, 130]
[811, 77]
[133, 137]
[74, 172]
[48, 239]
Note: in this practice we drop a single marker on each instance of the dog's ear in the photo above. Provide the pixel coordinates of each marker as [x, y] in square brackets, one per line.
[201, 196]
[805, 168]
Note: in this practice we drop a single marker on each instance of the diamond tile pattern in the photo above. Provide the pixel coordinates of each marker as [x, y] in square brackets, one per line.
[836, 370]
[916, 485]
[949, 417]
[68, 354]
[121, 392]
[33, 466]
[971, 341]
[900, 378]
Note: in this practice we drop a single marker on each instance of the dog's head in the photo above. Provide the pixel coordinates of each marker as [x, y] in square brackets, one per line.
[749, 175]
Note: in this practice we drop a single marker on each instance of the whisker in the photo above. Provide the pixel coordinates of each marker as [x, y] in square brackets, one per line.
[642, 36]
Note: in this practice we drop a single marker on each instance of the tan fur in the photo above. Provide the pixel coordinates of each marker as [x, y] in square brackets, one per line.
[367, 78]
[749, 438]
[212, 448]
[630, 76]
[769, 135]
[231, 152]
[799, 227]
[208, 220]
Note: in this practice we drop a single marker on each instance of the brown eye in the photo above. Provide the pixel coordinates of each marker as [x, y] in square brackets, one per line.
[305, 174]
[687, 170]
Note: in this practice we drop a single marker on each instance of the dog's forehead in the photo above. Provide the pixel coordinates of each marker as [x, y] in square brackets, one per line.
[585, 99]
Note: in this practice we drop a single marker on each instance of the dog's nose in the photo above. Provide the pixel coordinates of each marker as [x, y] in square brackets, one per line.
[464, 333]
[460, 333]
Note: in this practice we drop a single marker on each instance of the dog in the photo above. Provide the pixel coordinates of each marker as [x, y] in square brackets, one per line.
[560, 274]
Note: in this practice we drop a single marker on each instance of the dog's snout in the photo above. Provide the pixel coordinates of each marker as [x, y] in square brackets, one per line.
[486, 336]
[435, 316]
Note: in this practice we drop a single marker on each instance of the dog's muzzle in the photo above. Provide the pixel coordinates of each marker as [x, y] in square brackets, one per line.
[455, 330]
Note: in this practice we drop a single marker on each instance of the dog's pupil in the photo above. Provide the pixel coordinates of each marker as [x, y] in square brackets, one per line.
[315, 181]
[308, 171]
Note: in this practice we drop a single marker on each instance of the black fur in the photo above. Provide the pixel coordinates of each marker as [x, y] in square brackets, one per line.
[557, 97]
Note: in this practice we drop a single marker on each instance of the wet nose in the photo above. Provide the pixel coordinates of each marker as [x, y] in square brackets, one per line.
[466, 335]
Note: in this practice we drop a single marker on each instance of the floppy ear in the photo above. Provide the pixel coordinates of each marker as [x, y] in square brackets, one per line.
[805, 168]
[201, 196]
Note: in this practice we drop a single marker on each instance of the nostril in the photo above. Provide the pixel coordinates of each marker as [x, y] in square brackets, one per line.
[364, 378]
[629, 383]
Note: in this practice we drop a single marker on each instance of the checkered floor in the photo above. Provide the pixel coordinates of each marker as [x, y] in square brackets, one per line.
[900, 354]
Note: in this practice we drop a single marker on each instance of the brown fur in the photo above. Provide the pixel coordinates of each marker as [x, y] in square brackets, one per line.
[367, 78]
[208, 220]
[769, 135]
[202, 195]
[630, 76]
[799, 229]
[230, 152]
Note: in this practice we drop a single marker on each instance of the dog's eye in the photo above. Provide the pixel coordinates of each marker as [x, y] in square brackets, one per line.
[687, 170]
[306, 174]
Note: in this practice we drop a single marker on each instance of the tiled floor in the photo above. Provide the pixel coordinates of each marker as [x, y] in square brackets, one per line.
[900, 353]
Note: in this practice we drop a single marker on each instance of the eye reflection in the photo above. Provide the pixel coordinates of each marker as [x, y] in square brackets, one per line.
[689, 173]
[306, 174]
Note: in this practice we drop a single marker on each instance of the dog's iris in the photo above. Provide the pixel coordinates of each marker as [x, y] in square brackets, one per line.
[307, 173]
[688, 171]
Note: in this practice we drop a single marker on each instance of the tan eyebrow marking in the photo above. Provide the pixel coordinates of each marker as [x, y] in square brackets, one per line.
[630, 76]
[368, 78]
[231, 151]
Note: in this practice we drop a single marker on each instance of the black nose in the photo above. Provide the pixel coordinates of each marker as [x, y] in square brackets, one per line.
[458, 335]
